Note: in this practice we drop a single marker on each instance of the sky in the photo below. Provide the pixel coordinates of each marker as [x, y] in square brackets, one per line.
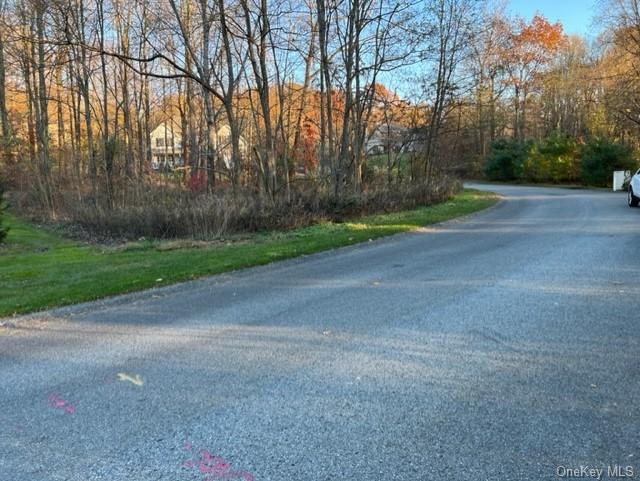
[575, 15]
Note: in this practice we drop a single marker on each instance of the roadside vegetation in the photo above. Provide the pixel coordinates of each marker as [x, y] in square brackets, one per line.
[41, 269]
[199, 124]
[162, 212]
[559, 160]
[192, 121]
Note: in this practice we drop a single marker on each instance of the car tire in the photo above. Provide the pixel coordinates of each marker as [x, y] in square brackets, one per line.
[632, 199]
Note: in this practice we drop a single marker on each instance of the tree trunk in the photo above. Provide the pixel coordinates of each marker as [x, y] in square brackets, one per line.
[42, 119]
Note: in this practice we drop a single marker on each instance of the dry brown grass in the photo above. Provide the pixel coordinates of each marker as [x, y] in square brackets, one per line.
[165, 212]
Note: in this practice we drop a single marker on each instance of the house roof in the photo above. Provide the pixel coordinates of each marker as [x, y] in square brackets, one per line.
[168, 129]
[392, 128]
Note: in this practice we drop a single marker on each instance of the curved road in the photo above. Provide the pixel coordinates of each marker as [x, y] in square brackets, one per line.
[505, 346]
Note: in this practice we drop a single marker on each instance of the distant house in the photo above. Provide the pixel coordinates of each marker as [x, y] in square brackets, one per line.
[416, 140]
[387, 137]
[223, 144]
[166, 146]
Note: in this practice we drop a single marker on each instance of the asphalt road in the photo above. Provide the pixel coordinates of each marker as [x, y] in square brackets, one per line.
[505, 346]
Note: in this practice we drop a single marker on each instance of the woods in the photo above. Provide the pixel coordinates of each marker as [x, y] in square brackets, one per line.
[199, 117]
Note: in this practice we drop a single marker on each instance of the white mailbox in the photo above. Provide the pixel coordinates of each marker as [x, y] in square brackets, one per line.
[619, 177]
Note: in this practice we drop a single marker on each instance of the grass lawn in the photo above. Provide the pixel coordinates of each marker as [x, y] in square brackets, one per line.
[39, 269]
[379, 162]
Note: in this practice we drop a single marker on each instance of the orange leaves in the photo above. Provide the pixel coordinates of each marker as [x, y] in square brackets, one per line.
[309, 138]
[530, 48]
[540, 32]
[537, 41]
[382, 93]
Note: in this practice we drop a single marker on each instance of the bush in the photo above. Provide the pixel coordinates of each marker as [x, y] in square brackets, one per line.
[554, 159]
[505, 160]
[3, 229]
[197, 182]
[600, 157]
[558, 158]
[170, 212]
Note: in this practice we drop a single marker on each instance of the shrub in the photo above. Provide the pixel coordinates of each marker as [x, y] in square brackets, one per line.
[197, 181]
[505, 160]
[3, 229]
[554, 159]
[600, 157]
[170, 212]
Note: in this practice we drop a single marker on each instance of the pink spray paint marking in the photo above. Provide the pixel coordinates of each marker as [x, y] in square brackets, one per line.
[57, 402]
[215, 467]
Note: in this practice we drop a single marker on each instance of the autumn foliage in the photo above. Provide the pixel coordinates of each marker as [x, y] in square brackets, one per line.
[356, 98]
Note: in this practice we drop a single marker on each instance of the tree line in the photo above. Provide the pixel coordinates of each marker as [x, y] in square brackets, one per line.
[95, 75]
[301, 86]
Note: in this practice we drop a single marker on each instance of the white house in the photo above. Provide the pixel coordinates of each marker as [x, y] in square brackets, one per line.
[166, 145]
[387, 137]
[222, 143]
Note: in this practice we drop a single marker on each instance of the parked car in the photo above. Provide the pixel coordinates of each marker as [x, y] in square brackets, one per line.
[634, 190]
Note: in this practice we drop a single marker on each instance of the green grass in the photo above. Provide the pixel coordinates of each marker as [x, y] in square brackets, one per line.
[379, 162]
[39, 269]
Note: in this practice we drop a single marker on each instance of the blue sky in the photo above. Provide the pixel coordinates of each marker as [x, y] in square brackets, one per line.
[575, 15]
